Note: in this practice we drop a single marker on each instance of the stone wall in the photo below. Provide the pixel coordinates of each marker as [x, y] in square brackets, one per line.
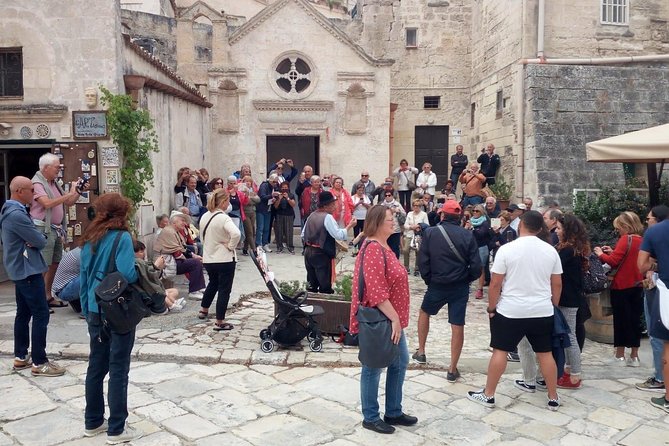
[568, 106]
[573, 29]
[440, 65]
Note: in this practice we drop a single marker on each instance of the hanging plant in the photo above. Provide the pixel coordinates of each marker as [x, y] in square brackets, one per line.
[132, 131]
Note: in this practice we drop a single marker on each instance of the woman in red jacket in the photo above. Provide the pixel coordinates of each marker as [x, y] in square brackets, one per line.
[626, 290]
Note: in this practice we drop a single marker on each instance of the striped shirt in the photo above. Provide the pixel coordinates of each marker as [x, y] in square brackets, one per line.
[68, 268]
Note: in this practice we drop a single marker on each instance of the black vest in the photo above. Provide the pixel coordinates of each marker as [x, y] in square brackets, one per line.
[316, 234]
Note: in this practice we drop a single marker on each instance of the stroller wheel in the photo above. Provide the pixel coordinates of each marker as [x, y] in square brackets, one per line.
[267, 346]
[316, 345]
[311, 336]
[265, 334]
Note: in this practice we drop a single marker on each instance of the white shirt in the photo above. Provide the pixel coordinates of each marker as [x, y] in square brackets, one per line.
[360, 212]
[527, 264]
[429, 179]
[515, 223]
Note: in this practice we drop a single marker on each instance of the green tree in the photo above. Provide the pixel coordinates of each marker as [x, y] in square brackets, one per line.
[132, 131]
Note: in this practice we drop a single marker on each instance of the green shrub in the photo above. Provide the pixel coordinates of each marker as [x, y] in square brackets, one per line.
[344, 286]
[598, 211]
[501, 189]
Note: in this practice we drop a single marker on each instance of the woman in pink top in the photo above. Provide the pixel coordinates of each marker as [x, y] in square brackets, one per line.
[387, 288]
[344, 209]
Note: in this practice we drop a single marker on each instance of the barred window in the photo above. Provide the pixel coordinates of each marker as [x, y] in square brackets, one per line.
[431, 101]
[615, 12]
[11, 72]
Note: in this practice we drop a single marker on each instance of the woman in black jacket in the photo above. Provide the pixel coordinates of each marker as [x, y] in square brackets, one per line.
[574, 249]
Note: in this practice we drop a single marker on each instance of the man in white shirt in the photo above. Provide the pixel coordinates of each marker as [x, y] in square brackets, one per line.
[526, 283]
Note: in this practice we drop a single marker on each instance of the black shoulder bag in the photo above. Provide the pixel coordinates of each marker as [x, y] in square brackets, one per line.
[122, 307]
[377, 349]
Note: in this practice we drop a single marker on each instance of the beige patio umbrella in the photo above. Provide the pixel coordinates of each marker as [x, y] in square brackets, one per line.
[643, 146]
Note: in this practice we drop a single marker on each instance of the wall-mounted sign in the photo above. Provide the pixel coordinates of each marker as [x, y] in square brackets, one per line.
[89, 124]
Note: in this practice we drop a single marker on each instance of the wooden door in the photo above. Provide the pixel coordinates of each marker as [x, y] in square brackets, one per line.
[431, 146]
[78, 160]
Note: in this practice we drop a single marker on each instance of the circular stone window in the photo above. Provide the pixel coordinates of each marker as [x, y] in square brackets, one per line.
[293, 76]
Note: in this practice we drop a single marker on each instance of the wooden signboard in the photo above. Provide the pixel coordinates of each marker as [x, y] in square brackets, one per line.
[89, 124]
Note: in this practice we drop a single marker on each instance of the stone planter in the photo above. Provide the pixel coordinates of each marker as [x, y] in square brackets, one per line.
[503, 204]
[336, 311]
[599, 327]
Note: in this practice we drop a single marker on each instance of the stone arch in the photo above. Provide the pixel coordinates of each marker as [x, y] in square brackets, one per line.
[186, 51]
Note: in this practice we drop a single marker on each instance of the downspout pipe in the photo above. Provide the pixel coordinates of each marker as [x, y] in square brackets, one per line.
[541, 20]
[598, 60]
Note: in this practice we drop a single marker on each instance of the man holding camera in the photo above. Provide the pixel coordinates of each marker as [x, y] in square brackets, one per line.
[48, 213]
[490, 163]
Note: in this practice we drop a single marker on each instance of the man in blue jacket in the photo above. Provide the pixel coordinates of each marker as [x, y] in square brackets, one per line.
[448, 261]
[23, 261]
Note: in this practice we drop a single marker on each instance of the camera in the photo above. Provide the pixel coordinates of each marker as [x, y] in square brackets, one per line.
[81, 184]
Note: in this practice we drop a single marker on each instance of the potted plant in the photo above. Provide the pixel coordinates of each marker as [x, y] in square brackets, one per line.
[336, 307]
[503, 192]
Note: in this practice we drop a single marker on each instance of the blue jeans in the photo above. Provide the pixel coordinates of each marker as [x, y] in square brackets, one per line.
[369, 386]
[262, 228]
[476, 199]
[656, 345]
[31, 303]
[71, 290]
[110, 353]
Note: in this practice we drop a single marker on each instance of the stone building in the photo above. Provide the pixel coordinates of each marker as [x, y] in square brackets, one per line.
[49, 94]
[525, 75]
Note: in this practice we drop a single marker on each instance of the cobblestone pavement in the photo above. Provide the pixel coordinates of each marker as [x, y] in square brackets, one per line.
[191, 385]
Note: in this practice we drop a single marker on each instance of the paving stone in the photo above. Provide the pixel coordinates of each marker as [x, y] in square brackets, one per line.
[69, 392]
[236, 355]
[191, 427]
[646, 436]
[540, 431]
[266, 369]
[158, 439]
[5, 440]
[146, 427]
[334, 387]
[502, 418]
[61, 424]
[143, 332]
[572, 439]
[609, 385]
[540, 413]
[296, 374]
[204, 370]
[139, 399]
[434, 397]
[401, 436]
[49, 384]
[412, 388]
[185, 353]
[178, 389]
[591, 396]
[460, 430]
[247, 381]
[281, 430]
[222, 439]
[282, 395]
[157, 372]
[275, 357]
[338, 420]
[76, 351]
[227, 407]
[432, 380]
[613, 418]
[160, 411]
[341, 442]
[520, 441]
[592, 429]
[641, 407]
[227, 369]
[26, 399]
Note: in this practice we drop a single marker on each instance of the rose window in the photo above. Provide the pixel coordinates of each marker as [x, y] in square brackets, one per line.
[293, 75]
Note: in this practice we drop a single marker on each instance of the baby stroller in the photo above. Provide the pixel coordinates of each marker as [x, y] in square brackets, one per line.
[294, 320]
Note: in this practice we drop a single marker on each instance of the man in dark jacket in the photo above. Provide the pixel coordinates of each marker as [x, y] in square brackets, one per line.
[447, 267]
[22, 246]
[490, 163]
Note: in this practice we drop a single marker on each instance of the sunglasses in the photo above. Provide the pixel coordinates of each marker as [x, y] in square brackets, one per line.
[364, 175]
[219, 182]
[388, 195]
[477, 211]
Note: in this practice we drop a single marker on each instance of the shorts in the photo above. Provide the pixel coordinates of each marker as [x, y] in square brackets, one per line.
[455, 295]
[53, 251]
[506, 333]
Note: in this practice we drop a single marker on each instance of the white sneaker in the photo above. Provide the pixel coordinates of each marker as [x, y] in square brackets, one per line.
[180, 302]
[128, 434]
[197, 295]
[633, 362]
[266, 248]
[619, 361]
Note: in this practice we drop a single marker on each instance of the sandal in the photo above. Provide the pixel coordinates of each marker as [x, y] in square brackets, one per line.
[202, 314]
[224, 326]
[53, 303]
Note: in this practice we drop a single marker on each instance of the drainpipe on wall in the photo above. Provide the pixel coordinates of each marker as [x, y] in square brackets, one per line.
[540, 30]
